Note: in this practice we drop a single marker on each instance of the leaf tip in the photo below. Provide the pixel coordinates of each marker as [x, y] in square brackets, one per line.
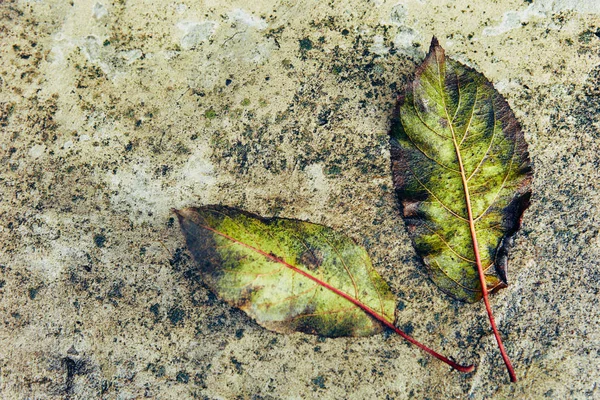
[178, 213]
[184, 214]
[434, 43]
[435, 47]
[436, 54]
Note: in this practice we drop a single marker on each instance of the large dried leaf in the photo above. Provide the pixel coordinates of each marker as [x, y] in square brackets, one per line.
[459, 158]
[288, 275]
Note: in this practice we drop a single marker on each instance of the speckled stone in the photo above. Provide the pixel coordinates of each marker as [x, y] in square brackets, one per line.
[112, 113]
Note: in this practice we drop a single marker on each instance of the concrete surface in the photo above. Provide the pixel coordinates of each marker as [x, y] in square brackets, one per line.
[111, 113]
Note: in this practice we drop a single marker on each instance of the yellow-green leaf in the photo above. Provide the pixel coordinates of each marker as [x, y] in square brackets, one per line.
[462, 174]
[288, 275]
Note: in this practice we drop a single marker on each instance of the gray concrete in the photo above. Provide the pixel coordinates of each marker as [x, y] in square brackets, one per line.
[112, 113]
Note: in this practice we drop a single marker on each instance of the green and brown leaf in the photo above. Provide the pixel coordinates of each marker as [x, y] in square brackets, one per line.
[462, 173]
[288, 275]
[292, 276]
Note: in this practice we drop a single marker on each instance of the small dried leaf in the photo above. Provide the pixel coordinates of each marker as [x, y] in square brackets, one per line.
[287, 274]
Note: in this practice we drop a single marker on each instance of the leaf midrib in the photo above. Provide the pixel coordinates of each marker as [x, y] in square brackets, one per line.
[480, 272]
[462, 176]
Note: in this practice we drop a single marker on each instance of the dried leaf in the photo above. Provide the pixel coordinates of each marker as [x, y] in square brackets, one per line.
[242, 258]
[291, 276]
[459, 156]
[462, 174]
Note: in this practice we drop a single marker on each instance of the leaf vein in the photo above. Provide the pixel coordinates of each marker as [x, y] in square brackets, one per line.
[470, 118]
[423, 152]
[414, 106]
[435, 197]
[449, 247]
[508, 171]
[343, 264]
[489, 147]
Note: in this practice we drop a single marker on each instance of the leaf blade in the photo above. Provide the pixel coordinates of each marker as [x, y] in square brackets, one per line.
[270, 259]
[201, 227]
[454, 126]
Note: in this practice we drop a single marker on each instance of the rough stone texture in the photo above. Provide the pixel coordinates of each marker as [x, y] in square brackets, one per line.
[114, 112]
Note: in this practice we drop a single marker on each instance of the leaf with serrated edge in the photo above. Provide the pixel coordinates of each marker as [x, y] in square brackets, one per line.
[292, 276]
[462, 174]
